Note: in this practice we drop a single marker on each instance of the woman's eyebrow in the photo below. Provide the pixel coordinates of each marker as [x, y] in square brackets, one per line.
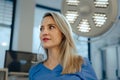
[52, 24]
[41, 26]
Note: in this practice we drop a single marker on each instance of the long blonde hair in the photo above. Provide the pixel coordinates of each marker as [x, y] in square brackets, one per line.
[70, 60]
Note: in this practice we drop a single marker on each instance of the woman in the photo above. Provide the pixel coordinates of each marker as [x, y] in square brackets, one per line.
[63, 62]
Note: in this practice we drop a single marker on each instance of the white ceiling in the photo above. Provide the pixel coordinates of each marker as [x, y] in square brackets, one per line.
[56, 4]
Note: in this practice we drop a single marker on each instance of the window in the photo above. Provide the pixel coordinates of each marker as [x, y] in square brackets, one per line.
[6, 8]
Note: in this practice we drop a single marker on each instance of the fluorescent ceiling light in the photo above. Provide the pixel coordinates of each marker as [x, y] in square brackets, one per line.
[99, 19]
[71, 16]
[84, 26]
[4, 44]
[72, 2]
[101, 3]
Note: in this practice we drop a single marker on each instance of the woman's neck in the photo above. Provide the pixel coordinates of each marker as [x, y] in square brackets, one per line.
[53, 58]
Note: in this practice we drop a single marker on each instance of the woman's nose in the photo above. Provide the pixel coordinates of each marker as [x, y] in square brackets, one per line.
[45, 32]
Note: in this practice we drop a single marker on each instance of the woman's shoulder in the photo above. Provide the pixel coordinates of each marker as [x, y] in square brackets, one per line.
[87, 70]
[35, 67]
[87, 65]
[86, 62]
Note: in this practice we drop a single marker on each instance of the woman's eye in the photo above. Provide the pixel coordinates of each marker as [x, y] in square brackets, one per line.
[41, 29]
[51, 27]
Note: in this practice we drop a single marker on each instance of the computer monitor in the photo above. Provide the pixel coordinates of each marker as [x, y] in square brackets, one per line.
[19, 61]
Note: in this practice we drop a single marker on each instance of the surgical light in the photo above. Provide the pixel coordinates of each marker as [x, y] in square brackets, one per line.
[90, 18]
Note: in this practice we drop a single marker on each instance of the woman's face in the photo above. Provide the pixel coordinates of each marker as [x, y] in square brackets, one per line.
[50, 35]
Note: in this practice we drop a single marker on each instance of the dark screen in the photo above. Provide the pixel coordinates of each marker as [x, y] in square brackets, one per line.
[17, 61]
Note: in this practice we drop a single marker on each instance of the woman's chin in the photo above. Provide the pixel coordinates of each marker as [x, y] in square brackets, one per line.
[46, 47]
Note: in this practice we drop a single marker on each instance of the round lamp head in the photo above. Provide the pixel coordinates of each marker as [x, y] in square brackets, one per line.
[90, 18]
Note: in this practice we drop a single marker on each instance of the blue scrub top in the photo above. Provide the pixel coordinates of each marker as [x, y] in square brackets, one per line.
[41, 72]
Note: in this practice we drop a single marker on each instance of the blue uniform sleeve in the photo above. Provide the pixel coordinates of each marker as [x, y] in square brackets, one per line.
[87, 72]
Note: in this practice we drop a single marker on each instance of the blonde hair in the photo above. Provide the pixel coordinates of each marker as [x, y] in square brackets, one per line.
[70, 60]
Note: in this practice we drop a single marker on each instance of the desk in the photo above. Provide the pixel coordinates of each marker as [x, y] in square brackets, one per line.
[3, 74]
[17, 76]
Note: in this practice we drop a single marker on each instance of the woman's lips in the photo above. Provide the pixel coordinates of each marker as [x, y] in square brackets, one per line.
[45, 39]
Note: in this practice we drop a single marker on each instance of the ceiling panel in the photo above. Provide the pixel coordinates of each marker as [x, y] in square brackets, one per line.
[56, 4]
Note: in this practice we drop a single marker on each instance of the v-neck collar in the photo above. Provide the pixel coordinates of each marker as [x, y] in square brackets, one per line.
[57, 68]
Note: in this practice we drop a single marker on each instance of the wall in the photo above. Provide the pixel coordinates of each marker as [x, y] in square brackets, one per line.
[24, 22]
[110, 38]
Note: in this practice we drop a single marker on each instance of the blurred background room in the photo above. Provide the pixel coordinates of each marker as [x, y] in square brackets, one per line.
[19, 34]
